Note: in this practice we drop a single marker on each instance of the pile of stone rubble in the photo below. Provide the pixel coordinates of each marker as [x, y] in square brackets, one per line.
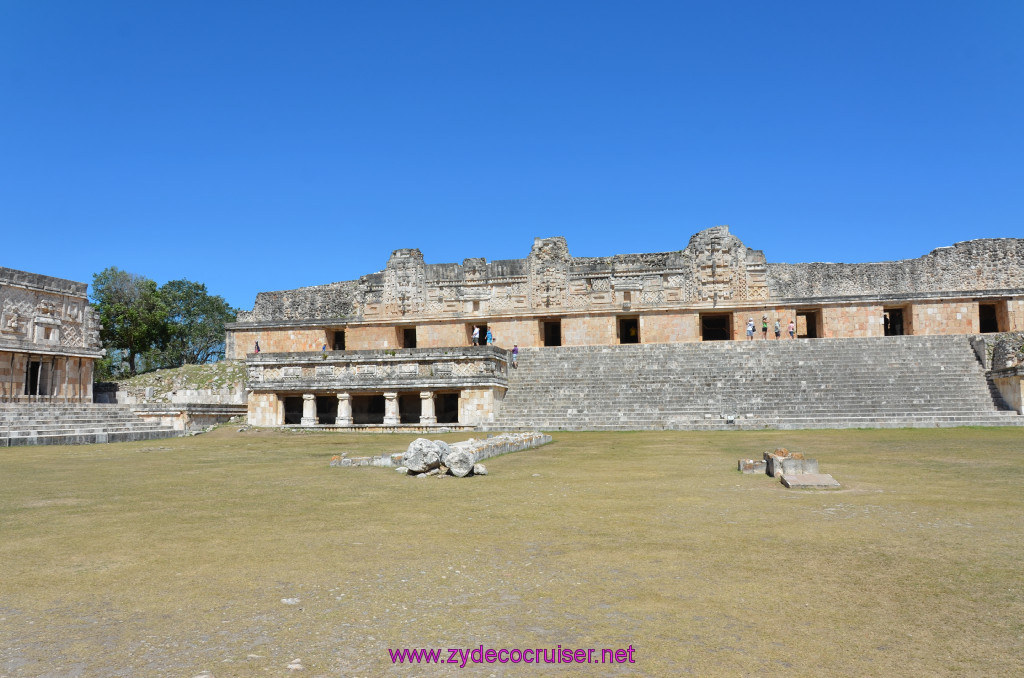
[437, 458]
[790, 467]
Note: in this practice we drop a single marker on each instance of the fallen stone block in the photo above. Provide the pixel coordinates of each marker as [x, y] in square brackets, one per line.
[421, 456]
[751, 465]
[792, 466]
[809, 481]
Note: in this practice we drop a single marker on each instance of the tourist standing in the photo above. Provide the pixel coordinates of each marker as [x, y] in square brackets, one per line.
[750, 329]
[476, 335]
[778, 329]
[764, 327]
[257, 347]
[490, 337]
[515, 356]
[792, 329]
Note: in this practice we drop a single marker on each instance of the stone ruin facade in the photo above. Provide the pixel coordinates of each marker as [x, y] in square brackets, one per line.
[49, 339]
[323, 342]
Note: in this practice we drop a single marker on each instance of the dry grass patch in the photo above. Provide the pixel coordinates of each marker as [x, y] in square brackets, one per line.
[170, 558]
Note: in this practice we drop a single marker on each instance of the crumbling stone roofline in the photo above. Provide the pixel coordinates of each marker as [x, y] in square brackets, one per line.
[46, 283]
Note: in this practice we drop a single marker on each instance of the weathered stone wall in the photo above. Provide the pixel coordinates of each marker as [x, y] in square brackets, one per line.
[966, 266]
[265, 409]
[477, 405]
[278, 340]
[321, 302]
[589, 330]
[668, 327]
[945, 317]
[853, 321]
[370, 338]
[436, 335]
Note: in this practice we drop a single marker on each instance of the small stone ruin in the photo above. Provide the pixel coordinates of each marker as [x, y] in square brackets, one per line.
[792, 468]
[425, 458]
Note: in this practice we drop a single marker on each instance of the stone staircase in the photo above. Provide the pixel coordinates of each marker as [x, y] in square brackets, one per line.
[74, 424]
[883, 382]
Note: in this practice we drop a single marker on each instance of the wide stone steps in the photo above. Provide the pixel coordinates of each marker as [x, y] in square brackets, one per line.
[66, 424]
[823, 383]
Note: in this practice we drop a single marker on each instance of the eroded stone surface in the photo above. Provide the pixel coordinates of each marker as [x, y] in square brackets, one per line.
[809, 480]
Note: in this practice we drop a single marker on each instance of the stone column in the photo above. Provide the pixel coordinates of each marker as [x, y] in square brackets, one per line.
[427, 414]
[344, 410]
[391, 409]
[308, 410]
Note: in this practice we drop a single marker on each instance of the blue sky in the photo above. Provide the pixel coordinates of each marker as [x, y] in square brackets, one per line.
[269, 145]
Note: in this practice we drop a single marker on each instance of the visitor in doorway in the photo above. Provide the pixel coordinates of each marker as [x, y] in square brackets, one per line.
[764, 327]
[489, 338]
[792, 329]
[778, 329]
[750, 329]
[324, 349]
[515, 356]
[257, 347]
[476, 336]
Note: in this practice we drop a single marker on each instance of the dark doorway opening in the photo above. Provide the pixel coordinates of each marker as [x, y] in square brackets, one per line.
[552, 330]
[481, 338]
[629, 330]
[368, 409]
[326, 409]
[446, 407]
[37, 381]
[893, 322]
[809, 323]
[408, 337]
[988, 318]
[338, 340]
[715, 327]
[409, 408]
[293, 410]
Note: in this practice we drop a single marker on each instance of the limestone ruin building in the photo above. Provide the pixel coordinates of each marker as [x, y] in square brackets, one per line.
[395, 346]
[49, 339]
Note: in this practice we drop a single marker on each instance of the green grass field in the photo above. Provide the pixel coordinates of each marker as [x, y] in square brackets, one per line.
[172, 558]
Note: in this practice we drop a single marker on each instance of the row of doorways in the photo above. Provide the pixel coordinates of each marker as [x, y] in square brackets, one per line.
[369, 409]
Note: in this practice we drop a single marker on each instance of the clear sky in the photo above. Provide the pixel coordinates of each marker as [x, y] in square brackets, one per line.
[268, 145]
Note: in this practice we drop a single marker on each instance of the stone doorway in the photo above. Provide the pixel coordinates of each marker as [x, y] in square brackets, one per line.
[481, 336]
[446, 407]
[327, 409]
[808, 324]
[893, 322]
[408, 337]
[292, 410]
[337, 340]
[629, 330]
[409, 408]
[552, 332]
[988, 318]
[715, 327]
[368, 409]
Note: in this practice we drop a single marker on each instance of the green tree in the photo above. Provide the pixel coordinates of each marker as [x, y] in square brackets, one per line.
[195, 323]
[133, 315]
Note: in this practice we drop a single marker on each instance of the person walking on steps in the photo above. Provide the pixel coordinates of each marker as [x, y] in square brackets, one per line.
[515, 356]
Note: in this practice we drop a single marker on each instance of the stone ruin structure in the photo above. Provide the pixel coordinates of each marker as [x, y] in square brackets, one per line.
[49, 339]
[394, 347]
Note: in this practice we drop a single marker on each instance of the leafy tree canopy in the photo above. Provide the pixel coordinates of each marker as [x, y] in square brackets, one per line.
[146, 327]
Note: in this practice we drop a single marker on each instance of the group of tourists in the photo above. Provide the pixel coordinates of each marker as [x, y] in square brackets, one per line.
[791, 328]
